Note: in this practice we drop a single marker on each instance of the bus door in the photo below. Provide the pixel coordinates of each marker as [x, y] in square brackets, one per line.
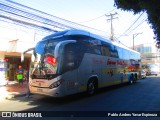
[69, 67]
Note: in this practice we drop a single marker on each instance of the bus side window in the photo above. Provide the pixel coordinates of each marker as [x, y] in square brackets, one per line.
[105, 51]
[97, 50]
[125, 54]
[120, 52]
[96, 46]
[70, 55]
[92, 46]
[116, 55]
[113, 51]
[70, 59]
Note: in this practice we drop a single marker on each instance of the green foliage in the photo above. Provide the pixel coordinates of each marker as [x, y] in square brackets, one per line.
[129, 5]
[151, 7]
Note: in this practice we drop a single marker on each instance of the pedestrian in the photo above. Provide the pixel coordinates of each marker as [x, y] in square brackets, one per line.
[19, 74]
[28, 91]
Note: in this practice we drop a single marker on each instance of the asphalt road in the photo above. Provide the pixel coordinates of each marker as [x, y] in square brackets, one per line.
[141, 97]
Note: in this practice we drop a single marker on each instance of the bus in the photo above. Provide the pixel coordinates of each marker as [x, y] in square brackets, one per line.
[74, 61]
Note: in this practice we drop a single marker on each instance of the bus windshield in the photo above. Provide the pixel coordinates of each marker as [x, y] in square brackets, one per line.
[45, 64]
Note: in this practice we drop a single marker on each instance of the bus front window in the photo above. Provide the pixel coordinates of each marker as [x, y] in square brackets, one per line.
[45, 64]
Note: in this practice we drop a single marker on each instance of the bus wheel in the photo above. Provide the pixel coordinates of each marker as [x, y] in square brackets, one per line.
[135, 78]
[131, 80]
[91, 87]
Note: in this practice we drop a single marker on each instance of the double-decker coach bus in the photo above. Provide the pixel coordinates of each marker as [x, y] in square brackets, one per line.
[74, 61]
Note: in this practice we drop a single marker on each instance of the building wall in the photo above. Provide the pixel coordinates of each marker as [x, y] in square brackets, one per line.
[149, 53]
[2, 54]
[13, 59]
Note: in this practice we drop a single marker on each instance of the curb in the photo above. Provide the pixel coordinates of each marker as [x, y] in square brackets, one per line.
[8, 85]
[14, 96]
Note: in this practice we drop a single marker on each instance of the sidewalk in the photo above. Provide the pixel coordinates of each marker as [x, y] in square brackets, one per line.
[12, 90]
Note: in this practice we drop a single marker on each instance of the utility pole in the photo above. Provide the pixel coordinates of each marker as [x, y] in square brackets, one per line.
[111, 19]
[134, 35]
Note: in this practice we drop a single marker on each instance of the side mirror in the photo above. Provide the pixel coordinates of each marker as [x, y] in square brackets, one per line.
[32, 58]
[32, 65]
[22, 57]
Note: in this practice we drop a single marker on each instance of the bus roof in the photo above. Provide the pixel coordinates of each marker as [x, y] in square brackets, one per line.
[86, 33]
[75, 32]
[123, 46]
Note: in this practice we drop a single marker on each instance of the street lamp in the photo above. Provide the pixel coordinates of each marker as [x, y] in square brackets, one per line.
[134, 35]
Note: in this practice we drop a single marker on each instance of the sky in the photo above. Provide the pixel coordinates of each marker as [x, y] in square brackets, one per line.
[92, 13]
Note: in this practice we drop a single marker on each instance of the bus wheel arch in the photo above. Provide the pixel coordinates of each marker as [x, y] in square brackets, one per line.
[92, 85]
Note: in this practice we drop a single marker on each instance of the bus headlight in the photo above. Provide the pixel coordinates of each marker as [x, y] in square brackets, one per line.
[56, 84]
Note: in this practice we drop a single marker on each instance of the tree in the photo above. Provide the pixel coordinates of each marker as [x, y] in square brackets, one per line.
[151, 7]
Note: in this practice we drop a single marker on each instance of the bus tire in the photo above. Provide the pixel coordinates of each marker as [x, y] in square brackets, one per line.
[91, 87]
[135, 78]
[131, 80]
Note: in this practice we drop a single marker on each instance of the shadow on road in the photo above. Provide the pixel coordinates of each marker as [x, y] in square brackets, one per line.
[75, 97]
[36, 100]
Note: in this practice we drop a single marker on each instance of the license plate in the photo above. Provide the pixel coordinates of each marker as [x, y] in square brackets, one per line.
[39, 90]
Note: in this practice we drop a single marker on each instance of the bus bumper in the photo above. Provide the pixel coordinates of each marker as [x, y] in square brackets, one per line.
[55, 92]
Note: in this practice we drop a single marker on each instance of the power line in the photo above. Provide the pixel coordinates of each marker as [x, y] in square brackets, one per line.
[62, 22]
[138, 25]
[92, 19]
[131, 25]
[96, 17]
[129, 20]
[24, 26]
[30, 17]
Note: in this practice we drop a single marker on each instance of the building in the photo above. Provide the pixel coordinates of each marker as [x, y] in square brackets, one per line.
[10, 58]
[149, 53]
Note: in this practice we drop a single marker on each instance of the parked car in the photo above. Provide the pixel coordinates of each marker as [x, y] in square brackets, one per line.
[151, 69]
[143, 74]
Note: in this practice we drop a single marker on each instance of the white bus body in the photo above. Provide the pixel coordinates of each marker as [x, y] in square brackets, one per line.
[74, 61]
